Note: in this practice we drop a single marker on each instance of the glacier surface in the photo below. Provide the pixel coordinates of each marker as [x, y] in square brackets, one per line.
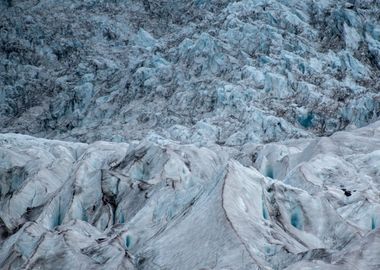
[198, 134]
[215, 71]
[158, 204]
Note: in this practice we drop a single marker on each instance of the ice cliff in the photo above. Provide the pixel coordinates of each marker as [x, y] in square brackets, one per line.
[199, 134]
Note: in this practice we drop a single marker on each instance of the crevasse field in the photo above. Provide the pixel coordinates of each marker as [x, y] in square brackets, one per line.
[190, 135]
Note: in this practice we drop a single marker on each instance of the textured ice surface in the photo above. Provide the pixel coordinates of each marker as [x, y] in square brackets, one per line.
[157, 204]
[200, 134]
[229, 72]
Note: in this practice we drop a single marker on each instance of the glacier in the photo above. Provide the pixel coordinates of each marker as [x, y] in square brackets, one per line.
[198, 134]
[225, 72]
[158, 204]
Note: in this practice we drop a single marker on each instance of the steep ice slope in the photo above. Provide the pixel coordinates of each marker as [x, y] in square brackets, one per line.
[157, 204]
[229, 72]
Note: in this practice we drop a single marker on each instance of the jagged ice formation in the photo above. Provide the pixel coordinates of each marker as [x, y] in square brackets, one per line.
[197, 134]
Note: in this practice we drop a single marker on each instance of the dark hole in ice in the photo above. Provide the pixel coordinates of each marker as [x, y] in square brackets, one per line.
[373, 223]
[141, 260]
[101, 239]
[346, 192]
[294, 220]
[128, 241]
[254, 157]
[269, 172]
[4, 232]
[306, 120]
